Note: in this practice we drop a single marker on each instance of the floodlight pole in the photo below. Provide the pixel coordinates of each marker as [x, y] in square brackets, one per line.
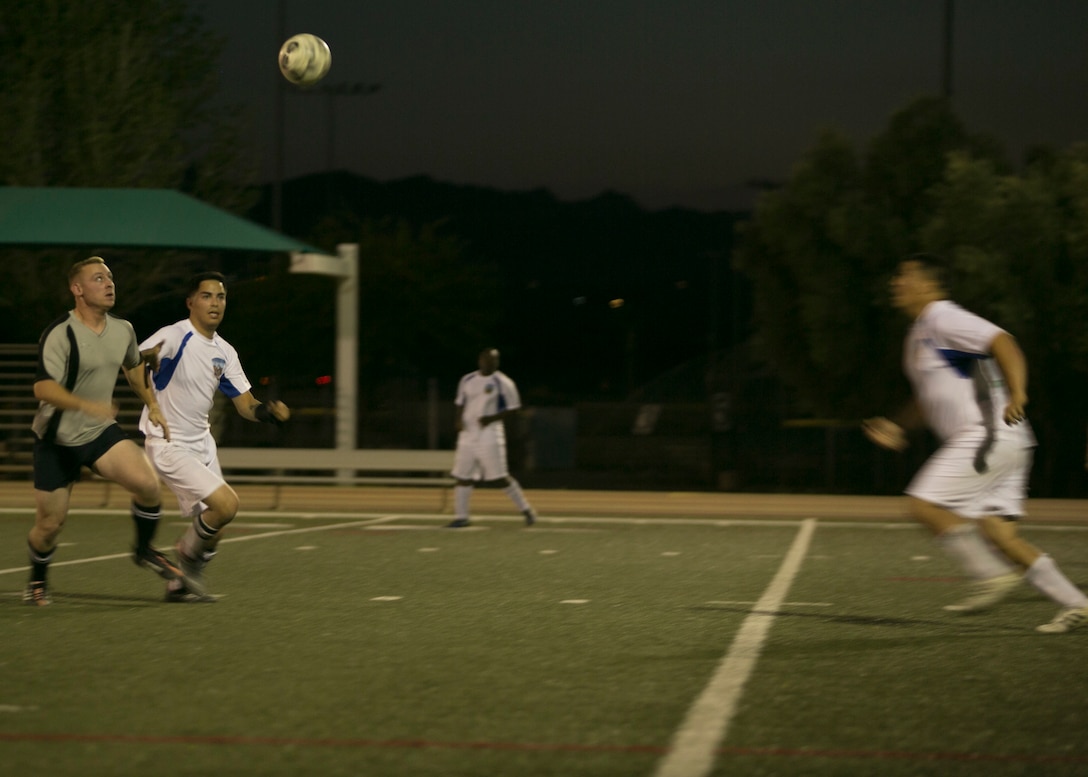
[277, 151]
[345, 267]
[946, 69]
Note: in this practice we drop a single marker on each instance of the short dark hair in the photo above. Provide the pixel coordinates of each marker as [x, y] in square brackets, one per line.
[194, 283]
[936, 267]
[76, 268]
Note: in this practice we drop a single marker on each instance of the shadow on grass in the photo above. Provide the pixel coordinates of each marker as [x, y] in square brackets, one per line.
[953, 624]
[101, 600]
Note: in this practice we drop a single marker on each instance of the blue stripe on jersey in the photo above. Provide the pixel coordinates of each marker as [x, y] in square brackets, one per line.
[502, 397]
[228, 388]
[167, 366]
[961, 361]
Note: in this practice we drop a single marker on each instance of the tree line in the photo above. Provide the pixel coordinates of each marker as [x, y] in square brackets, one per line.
[119, 93]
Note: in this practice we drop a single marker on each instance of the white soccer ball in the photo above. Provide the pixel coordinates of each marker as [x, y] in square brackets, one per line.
[305, 59]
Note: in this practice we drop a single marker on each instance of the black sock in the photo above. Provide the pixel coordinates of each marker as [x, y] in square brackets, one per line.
[147, 521]
[203, 530]
[39, 563]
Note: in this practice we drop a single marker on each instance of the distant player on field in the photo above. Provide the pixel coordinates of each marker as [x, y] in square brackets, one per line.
[970, 387]
[190, 362]
[79, 356]
[484, 399]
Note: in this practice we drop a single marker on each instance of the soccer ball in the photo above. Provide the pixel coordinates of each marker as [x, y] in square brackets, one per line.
[305, 59]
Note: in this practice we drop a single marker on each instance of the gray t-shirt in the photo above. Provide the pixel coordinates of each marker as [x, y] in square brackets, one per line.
[96, 360]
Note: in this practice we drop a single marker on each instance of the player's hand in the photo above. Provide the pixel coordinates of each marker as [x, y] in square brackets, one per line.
[486, 419]
[154, 415]
[279, 410]
[1014, 411]
[885, 433]
[151, 356]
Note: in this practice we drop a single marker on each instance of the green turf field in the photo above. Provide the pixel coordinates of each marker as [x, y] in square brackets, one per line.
[379, 645]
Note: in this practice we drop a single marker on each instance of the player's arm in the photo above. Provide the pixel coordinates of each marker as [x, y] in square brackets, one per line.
[891, 433]
[499, 416]
[137, 378]
[48, 390]
[1014, 366]
[251, 409]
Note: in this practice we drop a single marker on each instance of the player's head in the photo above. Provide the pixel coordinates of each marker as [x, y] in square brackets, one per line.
[488, 360]
[77, 269]
[206, 298]
[195, 281]
[919, 280]
[91, 283]
[933, 266]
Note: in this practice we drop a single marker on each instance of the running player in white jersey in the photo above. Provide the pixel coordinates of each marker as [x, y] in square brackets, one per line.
[79, 356]
[484, 398]
[190, 362]
[969, 378]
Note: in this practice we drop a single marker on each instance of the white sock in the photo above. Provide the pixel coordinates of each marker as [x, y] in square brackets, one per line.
[974, 553]
[517, 496]
[1045, 576]
[461, 496]
[197, 537]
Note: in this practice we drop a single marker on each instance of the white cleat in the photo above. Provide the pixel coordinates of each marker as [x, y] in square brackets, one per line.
[986, 593]
[1066, 620]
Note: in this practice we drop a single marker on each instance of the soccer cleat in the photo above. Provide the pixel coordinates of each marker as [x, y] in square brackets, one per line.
[1066, 620]
[36, 594]
[530, 517]
[152, 559]
[186, 595]
[986, 593]
[457, 523]
[193, 571]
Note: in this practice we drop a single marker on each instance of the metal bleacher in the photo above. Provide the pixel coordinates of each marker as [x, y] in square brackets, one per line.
[18, 405]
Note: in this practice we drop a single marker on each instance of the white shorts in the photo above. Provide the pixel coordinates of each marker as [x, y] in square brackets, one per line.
[190, 470]
[480, 460]
[949, 478]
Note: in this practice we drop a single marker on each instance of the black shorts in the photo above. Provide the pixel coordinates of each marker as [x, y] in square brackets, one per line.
[56, 466]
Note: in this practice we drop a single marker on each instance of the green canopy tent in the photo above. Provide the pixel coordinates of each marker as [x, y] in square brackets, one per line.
[162, 218]
[159, 218]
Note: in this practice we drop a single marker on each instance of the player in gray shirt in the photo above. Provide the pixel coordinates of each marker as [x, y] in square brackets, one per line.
[79, 356]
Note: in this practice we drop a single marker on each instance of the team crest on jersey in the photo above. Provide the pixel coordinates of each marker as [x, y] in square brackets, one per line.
[217, 367]
[488, 388]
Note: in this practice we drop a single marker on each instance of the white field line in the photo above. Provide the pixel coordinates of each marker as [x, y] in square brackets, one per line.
[691, 752]
[244, 538]
[543, 522]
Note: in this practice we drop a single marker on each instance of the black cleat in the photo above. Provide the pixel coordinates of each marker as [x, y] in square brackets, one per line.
[458, 523]
[152, 559]
[185, 595]
[530, 517]
[36, 594]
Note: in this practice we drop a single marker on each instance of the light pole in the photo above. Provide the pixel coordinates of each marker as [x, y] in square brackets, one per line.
[277, 151]
[331, 92]
[946, 74]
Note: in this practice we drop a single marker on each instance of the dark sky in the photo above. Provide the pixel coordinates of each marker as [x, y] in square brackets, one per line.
[669, 101]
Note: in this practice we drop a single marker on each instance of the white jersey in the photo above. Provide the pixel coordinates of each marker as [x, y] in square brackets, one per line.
[482, 395]
[956, 381]
[191, 369]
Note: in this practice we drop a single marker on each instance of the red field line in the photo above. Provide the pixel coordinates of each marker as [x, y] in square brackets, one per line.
[406, 744]
[424, 744]
[906, 755]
